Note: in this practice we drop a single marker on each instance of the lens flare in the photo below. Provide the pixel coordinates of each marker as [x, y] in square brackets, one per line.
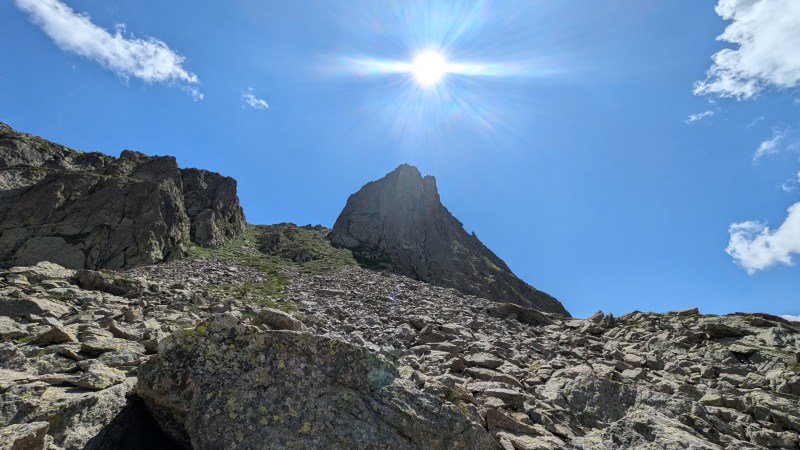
[429, 68]
[434, 73]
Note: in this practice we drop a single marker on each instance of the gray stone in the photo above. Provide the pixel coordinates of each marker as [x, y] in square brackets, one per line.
[510, 397]
[17, 307]
[50, 363]
[594, 400]
[743, 350]
[291, 389]
[57, 334]
[124, 358]
[525, 315]
[11, 358]
[96, 341]
[123, 332]
[75, 415]
[110, 282]
[497, 419]
[10, 329]
[645, 428]
[483, 360]
[686, 312]
[24, 436]
[42, 271]
[527, 442]
[277, 320]
[98, 376]
[491, 375]
[712, 399]
[718, 330]
[405, 332]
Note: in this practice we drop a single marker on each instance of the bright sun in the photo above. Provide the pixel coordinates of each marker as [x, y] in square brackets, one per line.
[429, 67]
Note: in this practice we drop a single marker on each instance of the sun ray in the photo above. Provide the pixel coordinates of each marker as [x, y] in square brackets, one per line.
[443, 72]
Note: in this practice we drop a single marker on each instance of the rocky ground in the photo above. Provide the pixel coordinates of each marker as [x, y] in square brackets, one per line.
[643, 380]
[80, 350]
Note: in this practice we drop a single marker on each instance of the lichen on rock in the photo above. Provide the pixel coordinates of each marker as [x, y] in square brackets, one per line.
[287, 388]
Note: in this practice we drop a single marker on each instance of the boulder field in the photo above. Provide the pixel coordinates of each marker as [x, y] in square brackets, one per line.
[367, 358]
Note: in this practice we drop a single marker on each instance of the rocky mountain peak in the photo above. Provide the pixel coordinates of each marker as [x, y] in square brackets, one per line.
[399, 223]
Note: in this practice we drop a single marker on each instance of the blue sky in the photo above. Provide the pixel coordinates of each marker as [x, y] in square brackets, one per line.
[609, 152]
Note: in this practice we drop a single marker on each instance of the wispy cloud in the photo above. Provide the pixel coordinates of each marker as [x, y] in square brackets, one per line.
[770, 146]
[791, 317]
[149, 59]
[250, 100]
[791, 184]
[767, 36]
[755, 247]
[699, 116]
[755, 121]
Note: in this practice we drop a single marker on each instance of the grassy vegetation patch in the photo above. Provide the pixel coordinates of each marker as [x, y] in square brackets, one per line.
[41, 145]
[305, 246]
[270, 250]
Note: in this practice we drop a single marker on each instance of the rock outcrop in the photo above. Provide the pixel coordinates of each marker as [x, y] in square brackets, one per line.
[212, 206]
[90, 210]
[399, 223]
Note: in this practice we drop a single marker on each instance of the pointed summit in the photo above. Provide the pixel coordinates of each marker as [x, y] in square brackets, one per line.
[399, 223]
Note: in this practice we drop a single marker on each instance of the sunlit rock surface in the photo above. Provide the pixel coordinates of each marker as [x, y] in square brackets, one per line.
[286, 389]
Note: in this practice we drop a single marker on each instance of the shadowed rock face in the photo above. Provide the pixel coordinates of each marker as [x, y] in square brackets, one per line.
[399, 223]
[212, 206]
[90, 210]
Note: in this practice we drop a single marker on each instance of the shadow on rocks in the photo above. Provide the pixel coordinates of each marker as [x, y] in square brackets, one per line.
[133, 429]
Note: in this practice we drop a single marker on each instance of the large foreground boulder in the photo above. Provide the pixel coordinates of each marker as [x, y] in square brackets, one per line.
[399, 223]
[228, 385]
[90, 210]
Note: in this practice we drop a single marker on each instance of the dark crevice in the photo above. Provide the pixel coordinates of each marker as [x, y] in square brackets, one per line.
[133, 429]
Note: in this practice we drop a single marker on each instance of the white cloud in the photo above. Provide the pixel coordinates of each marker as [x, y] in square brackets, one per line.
[791, 184]
[252, 101]
[769, 146]
[767, 38]
[755, 121]
[791, 317]
[755, 247]
[699, 116]
[148, 59]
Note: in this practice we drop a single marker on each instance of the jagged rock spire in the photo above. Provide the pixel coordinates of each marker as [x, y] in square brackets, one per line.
[399, 223]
